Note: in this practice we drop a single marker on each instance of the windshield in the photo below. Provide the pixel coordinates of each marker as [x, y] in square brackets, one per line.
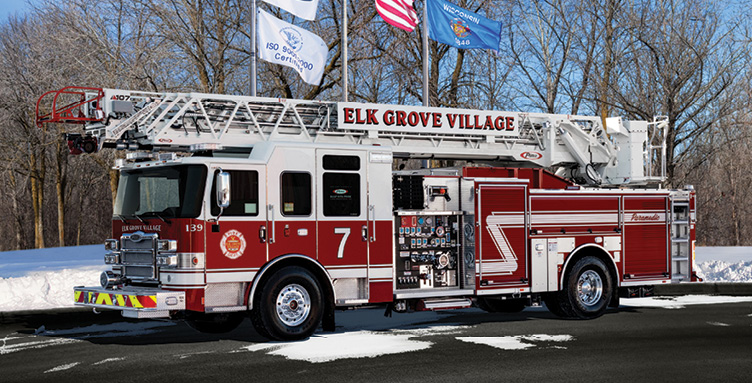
[164, 192]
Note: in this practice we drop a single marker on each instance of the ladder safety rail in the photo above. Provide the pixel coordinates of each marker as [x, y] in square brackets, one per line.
[575, 145]
[75, 111]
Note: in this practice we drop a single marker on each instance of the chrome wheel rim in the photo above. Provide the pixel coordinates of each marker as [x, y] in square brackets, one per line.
[293, 305]
[589, 288]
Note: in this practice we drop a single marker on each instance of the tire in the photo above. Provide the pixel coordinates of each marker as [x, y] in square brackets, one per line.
[588, 289]
[290, 305]
[552, 303]
[495, 305]
[215, 323]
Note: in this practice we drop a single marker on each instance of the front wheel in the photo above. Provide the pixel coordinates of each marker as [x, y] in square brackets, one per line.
[290, 305]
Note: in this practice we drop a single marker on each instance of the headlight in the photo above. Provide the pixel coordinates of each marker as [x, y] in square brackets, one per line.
[167, 260]
[112, 258]
[111, 244]
[167, 245]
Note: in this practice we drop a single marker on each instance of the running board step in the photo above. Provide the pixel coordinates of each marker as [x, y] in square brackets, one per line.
[443, 304]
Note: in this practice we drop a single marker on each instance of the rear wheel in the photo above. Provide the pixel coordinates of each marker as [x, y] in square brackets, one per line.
[214, 323]
[290, 305]
[587, 289]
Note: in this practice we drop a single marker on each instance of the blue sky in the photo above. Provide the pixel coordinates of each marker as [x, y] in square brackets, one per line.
[10, 6]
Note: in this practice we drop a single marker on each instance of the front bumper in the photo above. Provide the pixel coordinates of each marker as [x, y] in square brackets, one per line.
[134, 302]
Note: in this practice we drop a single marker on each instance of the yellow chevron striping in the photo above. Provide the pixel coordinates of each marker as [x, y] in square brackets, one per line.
[104, 299]
[135, 302]
[77, 296]
[120, 300]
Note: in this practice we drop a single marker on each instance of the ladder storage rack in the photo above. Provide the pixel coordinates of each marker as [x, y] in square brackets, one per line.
[680, 241]
[577, 147]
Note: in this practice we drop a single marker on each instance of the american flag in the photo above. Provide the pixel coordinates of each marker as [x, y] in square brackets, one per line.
[398, 13]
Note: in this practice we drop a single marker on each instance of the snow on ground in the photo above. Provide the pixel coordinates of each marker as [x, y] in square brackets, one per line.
[44, 279]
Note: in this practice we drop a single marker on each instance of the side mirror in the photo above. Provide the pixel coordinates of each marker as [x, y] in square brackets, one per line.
[223, 189]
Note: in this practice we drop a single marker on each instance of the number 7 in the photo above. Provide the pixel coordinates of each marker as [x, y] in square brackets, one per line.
[346, 232]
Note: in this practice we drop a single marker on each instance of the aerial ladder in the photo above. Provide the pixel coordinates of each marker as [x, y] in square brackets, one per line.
[576, 147]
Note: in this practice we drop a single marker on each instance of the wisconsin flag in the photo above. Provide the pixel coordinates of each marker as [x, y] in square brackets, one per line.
[282, 43]
[305, 9]
[398, 13]
[460, 28]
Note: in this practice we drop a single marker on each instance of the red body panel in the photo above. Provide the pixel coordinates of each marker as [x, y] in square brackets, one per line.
[646, 236]
[235, 245]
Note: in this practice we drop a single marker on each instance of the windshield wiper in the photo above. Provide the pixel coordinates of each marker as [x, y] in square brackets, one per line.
[121, 218]
[161, 218]
[140, 219]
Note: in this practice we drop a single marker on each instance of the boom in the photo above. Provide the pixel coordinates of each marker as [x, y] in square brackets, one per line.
[578, 147]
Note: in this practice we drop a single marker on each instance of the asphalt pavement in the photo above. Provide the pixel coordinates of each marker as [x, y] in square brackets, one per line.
[706, 342]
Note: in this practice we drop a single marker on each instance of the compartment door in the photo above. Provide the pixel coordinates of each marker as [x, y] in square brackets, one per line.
[502, 224]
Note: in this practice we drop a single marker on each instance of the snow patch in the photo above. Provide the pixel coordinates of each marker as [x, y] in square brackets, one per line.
[519, 342]
[9, 348]
[682, 301]
[350, 345]
[41, 290]
[720, 271]
[22, 262]
[108, 360]
[432, 330]
[63, 367]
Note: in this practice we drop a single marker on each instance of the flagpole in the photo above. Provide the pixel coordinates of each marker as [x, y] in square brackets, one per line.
[344, 50]
[426, 95]
[253, 48]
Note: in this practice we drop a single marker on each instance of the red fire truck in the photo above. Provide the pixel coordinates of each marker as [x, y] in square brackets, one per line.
[287, 210]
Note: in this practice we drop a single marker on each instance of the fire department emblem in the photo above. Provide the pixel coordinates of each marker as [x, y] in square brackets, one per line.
[232, 244]
[459, 28]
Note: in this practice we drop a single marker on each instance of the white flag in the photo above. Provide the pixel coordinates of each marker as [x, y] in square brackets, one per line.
[282, 43]
[305, 9]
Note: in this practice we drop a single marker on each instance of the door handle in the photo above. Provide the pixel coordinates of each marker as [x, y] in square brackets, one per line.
[372, 214]
[364, 233]
[270, 209]
[262, 234]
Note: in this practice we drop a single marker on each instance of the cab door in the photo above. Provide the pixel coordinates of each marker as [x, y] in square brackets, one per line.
[343, 231]
[236, 242]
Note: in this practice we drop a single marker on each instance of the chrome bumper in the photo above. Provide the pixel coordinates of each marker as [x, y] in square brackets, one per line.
[132, 301]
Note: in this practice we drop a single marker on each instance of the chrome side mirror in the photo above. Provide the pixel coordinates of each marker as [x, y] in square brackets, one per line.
[223, 189]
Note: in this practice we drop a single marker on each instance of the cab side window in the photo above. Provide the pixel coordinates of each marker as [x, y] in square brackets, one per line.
[244, 192]
[341, 188]
[296, 197]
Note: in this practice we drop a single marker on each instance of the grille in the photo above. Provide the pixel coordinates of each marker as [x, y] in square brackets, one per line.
[139, 272]
[138, 251]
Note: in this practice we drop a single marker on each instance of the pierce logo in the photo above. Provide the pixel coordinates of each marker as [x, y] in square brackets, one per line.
[531, 155]
[232, 244]
[340, 191]
[165, 140]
